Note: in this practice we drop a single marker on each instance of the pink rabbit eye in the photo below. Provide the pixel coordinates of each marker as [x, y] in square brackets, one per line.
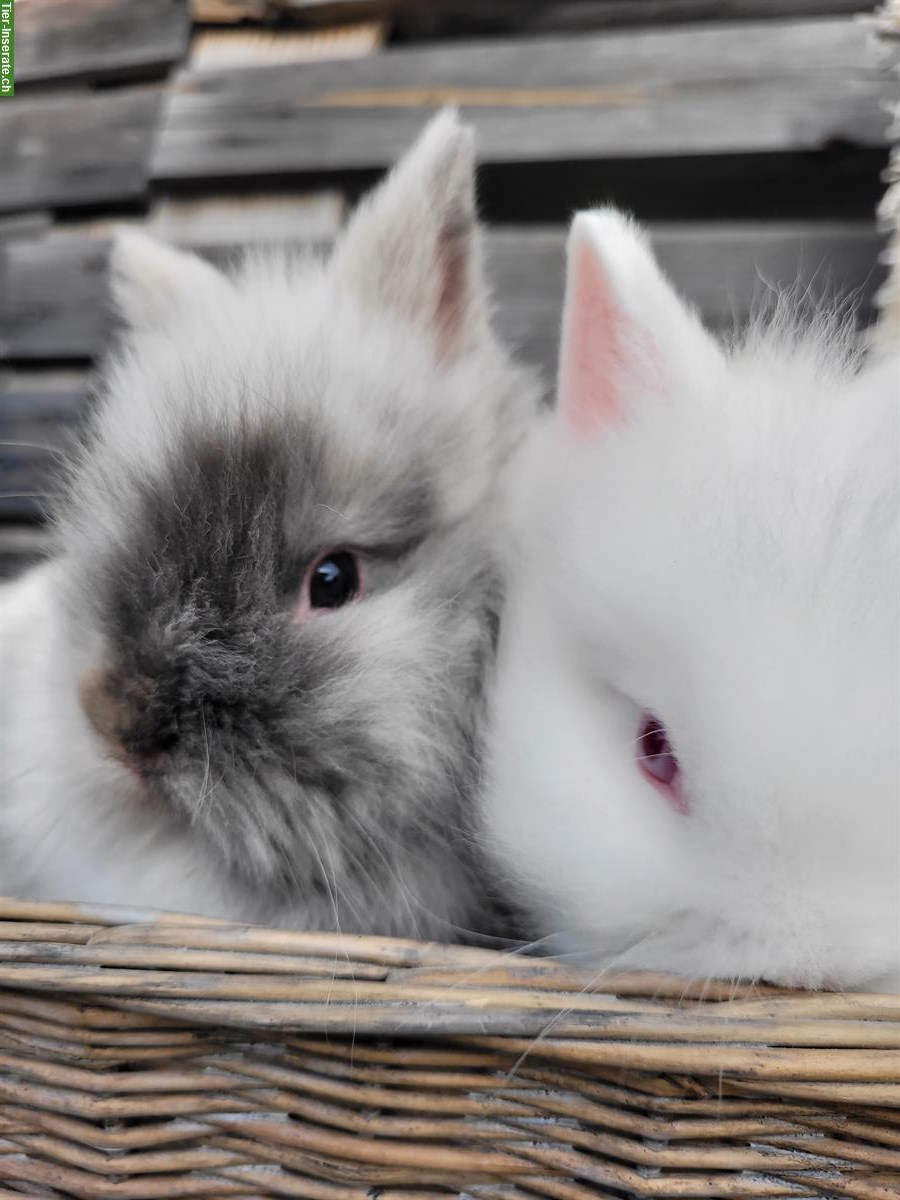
[658, 762]
[334, 580]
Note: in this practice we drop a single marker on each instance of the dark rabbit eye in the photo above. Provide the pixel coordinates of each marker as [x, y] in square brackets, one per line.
[658, 762]
[334, 580]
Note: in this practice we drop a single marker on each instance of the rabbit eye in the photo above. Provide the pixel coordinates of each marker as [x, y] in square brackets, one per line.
[334, 580]
[658, 761]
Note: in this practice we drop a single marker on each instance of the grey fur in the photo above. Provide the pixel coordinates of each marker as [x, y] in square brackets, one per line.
[323, 771]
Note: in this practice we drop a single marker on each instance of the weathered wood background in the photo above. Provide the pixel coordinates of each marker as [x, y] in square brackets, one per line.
[750, 133]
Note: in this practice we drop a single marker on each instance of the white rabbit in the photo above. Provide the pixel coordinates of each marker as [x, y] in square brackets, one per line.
[696, 759]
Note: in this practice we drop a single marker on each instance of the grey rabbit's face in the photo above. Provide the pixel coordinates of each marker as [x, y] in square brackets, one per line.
[301, 686]
[281, 570]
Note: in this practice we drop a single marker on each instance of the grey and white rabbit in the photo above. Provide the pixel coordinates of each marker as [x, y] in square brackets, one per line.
[696, 763]
[251, 684]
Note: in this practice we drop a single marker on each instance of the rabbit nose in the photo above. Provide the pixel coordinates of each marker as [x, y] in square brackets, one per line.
[101, 707]
[120, 712]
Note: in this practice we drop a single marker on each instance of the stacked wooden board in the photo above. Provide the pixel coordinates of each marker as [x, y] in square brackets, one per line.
[888, 298]
[93, 41]
[754, 147]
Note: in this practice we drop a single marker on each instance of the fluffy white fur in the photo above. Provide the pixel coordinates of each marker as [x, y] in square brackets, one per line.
[386, 356]
[72, 826]
[711, 535]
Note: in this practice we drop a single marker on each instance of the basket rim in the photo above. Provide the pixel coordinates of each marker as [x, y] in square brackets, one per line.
[201, 970]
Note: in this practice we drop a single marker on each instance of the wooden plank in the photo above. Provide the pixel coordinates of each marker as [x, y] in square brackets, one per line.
[702, 91]
[888, 299]
[228, 12]
[55, 304]
[727, 271]
[28, 487]
[418, 19]
[40, 415]
[77, 149]
[252, 219]
[660, 58]
[22, 225]
[231, 49]
[33, 402]
[98, 39]
[433, 17]
[21, 546]
[53, 300]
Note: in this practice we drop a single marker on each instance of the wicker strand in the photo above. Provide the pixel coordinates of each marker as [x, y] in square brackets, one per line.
[145, 1056]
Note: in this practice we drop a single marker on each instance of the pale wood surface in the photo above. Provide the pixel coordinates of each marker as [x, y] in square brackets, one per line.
[61, 151]
[54, 304]
[90, 40]
[698, 91]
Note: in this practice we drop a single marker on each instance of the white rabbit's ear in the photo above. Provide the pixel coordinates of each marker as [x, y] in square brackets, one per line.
[151, 282]
[625, 331]
[413, 248]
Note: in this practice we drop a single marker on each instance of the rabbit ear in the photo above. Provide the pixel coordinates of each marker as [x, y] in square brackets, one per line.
[625, 332]
[413, 247]
[151, 282]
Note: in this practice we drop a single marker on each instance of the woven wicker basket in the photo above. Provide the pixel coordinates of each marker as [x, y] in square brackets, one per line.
[148, 1055]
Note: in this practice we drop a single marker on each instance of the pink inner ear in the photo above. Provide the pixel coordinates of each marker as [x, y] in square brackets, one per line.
[592, 352]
